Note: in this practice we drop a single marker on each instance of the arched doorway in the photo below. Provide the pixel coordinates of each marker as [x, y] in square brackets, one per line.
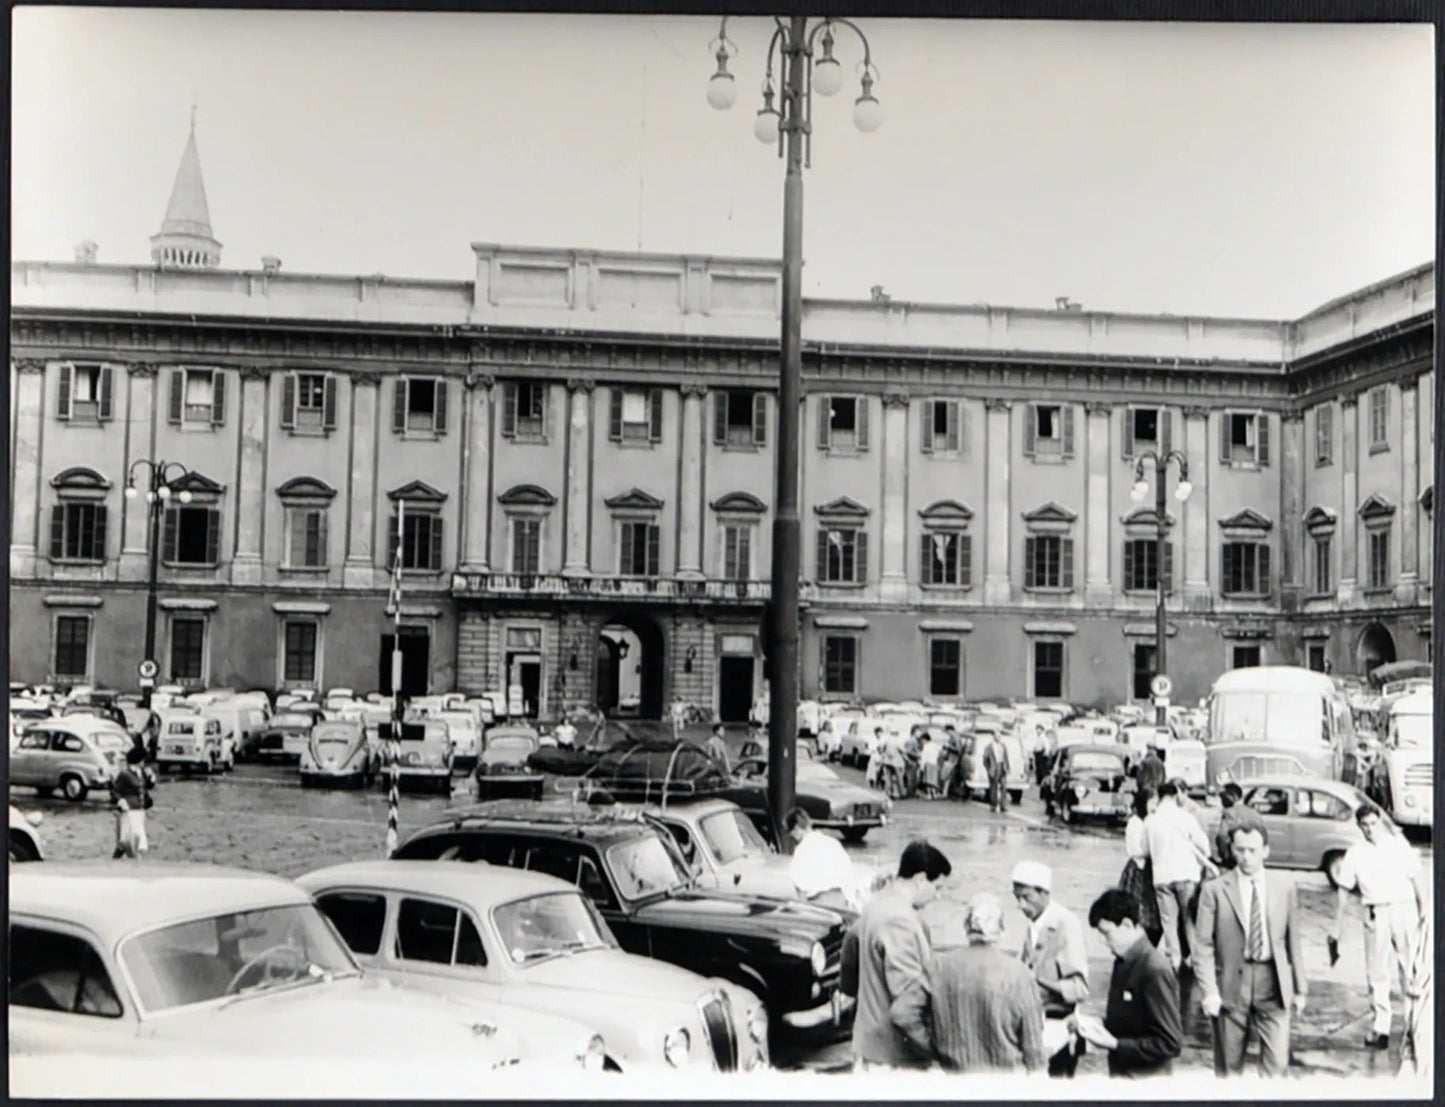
[1375, 647]
[630, 667]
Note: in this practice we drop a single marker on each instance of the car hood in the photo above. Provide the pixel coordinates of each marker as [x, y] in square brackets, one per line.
[615, 973]
[740, 913]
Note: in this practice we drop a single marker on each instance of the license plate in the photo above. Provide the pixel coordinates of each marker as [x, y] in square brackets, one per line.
[177, 749]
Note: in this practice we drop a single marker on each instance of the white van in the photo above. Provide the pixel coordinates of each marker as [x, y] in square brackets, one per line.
[1402, 778]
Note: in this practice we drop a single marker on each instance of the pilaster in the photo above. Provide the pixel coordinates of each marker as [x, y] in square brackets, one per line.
[1197, 595]
[689, 537]
[27, 422]
[250, 481]
[1291, 478]
[997, 453]
[360, 570]
[1097, 528]
[476, 503]
[1407, 588]
[579, 475]
[1349, 499]
[893, 582]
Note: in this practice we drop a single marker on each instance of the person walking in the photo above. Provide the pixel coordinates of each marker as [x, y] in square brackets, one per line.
[976, 1009]
[1151, 772]
[1175, 844]
[717, 747]
[1236, 814]
[996, 768]
[1138, 876]
[1250, 958]
[1055, 955]
[1385, 870]
[1142, 1029]
[891, 951]
[820, 867]
[130, 796]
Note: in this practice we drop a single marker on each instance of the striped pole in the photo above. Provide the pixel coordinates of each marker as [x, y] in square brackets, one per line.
[393, 745]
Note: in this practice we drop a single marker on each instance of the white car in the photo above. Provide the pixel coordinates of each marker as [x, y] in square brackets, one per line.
[24, 837]
[466, 737]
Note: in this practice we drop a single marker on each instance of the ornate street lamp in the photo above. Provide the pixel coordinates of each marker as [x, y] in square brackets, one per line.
[1139, 493]
[165, 482]
[789, 124]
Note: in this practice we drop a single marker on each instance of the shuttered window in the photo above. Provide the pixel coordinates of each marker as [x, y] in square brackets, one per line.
[1141, 565]
[526, 545]
[191, 536]
[942, 426]
[524, 409]
[737, 551]
[1145, 429]
[740, 418]
[843, 423]
[840, 664]
[946, 558]
[1244, 438]
[1324, 435]
[421, 542]
[188, 641]
[638, 555]
[77, 532]
[306, 537]
[308, 402]
[1049, 431]
[419, 405]
[945, 667]
[1049, 562]
[842, 555]
[196, 397]
[72, 645]
[1244, 569]
[299, 665]
[635, 415]
[86, 393]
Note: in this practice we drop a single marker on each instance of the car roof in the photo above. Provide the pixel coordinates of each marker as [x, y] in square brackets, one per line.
[116, 898]
[460, 879]
[83, 723]
[1338, 788]
[581, 819]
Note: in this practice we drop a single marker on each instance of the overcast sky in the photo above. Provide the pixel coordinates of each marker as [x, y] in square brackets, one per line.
[1217, 169]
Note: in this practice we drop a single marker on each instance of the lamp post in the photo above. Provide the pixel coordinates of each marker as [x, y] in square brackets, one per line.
[1138, 494]
[163, 483]
[790, 126]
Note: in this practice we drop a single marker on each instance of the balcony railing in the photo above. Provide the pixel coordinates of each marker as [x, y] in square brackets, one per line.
[604, 588]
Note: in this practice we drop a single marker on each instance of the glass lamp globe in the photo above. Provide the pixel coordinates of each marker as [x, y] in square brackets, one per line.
[185, 495]
[867, 113]
[722, 91]
[827, 76]
[131, 492]
[765, 126]
[164, 492]
[1140, 492]
[1182, 492]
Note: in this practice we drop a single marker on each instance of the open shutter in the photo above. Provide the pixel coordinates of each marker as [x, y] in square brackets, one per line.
[1166, 429]
[213, 536]
[1224, 569]
[614, 414]
[107, 392]
[822, 566]
[654, 549]
[860, 557]
[719, 418]
[654, 415]
[926, 410]
[98, 542]
[321, 535]
[955, 425]
[625, 553]
[1067, 414]
[398, 406]
[439, 422]
[509, 409]
[1264, 585]
[218, 398]
[170, 533]
[328, 400]
[760, 418]
[825, 415]
[1261, 427]
[393, 544]
[57, 531]
[965, 560]
[177, 380]
[1066, 563]
[288, 401]
[1128, 435]
[1031, 422]
[434, 553]
[1225, 418]
[63, 410]
[861, 417]
[1029, 576]
[925, 556]
[1128, 564]
[1168, 567]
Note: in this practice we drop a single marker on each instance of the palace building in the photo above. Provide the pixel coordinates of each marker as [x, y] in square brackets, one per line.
[578, 445]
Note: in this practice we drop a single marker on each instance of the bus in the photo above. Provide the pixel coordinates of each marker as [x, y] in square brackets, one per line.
[1272, 720]
[1402, 778]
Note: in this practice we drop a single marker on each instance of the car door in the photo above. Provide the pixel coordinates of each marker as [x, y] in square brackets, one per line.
[1275, 804]
[27, 760]
[62, 996]
[1319, 817]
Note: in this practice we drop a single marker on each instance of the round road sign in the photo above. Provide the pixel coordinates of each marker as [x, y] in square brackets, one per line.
[147, 669]
[1161, 685]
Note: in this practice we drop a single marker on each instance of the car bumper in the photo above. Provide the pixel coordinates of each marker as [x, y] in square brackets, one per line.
[333, 778]
[833, 1012]
[1103, 810]
[852, 822]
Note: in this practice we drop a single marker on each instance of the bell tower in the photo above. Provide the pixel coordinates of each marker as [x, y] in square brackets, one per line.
[185, 240]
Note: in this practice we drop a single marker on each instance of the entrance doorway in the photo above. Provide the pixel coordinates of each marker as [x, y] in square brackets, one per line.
[1143, 669]
[1376, 647]
[734, 689]
[524, 672]
[630, 673]
[415, 662]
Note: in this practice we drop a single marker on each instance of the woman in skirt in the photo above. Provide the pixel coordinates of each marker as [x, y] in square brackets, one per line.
[1138, 876]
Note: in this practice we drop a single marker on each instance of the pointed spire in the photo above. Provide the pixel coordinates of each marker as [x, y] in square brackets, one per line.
[185, 239]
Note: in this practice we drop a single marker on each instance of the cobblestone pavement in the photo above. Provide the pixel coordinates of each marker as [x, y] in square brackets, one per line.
[260, 818]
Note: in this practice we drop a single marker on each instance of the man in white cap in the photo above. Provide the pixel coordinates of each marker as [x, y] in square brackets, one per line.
[1054, 950]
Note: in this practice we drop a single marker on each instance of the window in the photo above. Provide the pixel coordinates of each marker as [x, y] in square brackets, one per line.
[419, 406]
[1146, 428]
[359, 918]
[1324, 435]
[438, 933]
[1144, 654]
[1379, 559]
[188, 640]
[1244, 657]
[300, 651]
[840, 664]
[1141, 565]
[1049, 431]
[942, 427]
[1244, 569]
[86, 393]
[737, 551]
[843, 423]
[1049, 562]
[191, 536]
[740, 418]
[305, 537]
[945, 667]
[638, 553]
[1315, 656]
[421, 540]
[842, 555]
[524, 409]
[58, 972]
[308, 402]
[1244, 438]
[1323, 582]
[946, 559]
[526, 544]
[197, 397]
[77, 532]
[1321, 805]
[635, 415]
[1379, 419]
[72, 645]
[1048, 670]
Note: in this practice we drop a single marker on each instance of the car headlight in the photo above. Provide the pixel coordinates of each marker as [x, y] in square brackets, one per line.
[677, 1047]
[1409, 801]
[758, 1024]
[818, 958]
[594, 1054]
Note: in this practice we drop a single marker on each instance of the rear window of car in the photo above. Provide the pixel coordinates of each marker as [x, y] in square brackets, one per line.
[359, 917]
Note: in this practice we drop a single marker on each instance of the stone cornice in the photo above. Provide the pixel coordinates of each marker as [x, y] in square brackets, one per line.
[30, 365]
[141, 370]
[694, 388]
[254, 373]
[895, 399]
[475, 380]
[1195, 411]
[1097, 407]
[997, 403]
[365, 377]
[581, 384]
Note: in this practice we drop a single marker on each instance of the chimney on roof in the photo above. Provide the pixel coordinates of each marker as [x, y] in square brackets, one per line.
[85, 253]
[270, 264]
[1063, 303]
[879, 296]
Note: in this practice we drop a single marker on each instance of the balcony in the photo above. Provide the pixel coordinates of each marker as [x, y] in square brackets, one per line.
[609, 589]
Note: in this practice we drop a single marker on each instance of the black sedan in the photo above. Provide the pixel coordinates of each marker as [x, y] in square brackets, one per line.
[1089, 780]
[833, 802]
[503, 769]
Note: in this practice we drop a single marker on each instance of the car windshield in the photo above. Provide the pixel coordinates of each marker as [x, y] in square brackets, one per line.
[1278, 718]
[643, 866]
[334, 735]
[540, 927]
[730, 835]
[1414, 731]
[1088, 761]
[510, 746]
[233, 954]
[108, 740]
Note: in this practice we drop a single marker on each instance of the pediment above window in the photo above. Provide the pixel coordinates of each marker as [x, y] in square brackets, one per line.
[527, 495]
[1320, 520]
[1376, 507]
[1051, 518]
[1247, 520]
[843, 507]
[946, 512]
[200, 486]
[1147, 518]
[80, 481]
[634, 500]
[306, 488]
[417, 491]
[739, 502]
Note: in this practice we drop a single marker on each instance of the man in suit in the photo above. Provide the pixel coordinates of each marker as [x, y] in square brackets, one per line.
[1250, 957]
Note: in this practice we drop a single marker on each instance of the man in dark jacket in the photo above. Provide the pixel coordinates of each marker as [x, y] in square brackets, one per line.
[1151, 772]
[1142, 1029]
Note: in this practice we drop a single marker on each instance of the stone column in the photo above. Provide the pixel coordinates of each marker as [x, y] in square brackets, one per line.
[250, 479]
[579, 472]
[997, 587]
[690, 530]
[1197, 595]
[140, 443]
[1291, 503]
[893, 582]
[25, 423]
[1097, 528]
[476, 500]
[1349, 496]
[1407, 588]
[362, 561]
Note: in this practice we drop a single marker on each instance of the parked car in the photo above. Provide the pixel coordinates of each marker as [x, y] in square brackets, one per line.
[191, 741]
[535, 942]
[1089, 780]
[339, 754]
[833, 803]
[177, 959]
[73, 753]
[466, 737]
[723, 847]
[857, 741]
[285, 737]
[426, 756]
[501, 770]
[1402, 777]
[787, 952]
[1019, 759]
[25, 836]
[101, 710]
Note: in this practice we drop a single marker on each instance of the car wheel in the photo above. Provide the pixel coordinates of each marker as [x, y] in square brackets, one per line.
[854, 835]
[1332, 865]
[21, 850]
[73, 788]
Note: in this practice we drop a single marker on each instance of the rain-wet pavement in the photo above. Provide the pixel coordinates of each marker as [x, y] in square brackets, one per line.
[260, 818]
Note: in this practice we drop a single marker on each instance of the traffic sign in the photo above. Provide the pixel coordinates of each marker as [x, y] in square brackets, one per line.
[1161, 686]
[147, 669]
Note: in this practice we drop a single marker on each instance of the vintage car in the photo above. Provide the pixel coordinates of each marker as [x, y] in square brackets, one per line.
[339, 754]
[74, 754]
[1089, 780]
[535, 942]
[723, 847]
[171, 960]
[24, 836]
[833, 803]
[285, 737]
[425, 756]
[787, 952]
[192, 741]
[856, 737]
[466, 737]
[604, 736]
[1019, 759]
[1402, 777]
[502, 769]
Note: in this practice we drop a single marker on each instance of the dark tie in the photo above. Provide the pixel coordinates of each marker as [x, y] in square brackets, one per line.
[1256, 925]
